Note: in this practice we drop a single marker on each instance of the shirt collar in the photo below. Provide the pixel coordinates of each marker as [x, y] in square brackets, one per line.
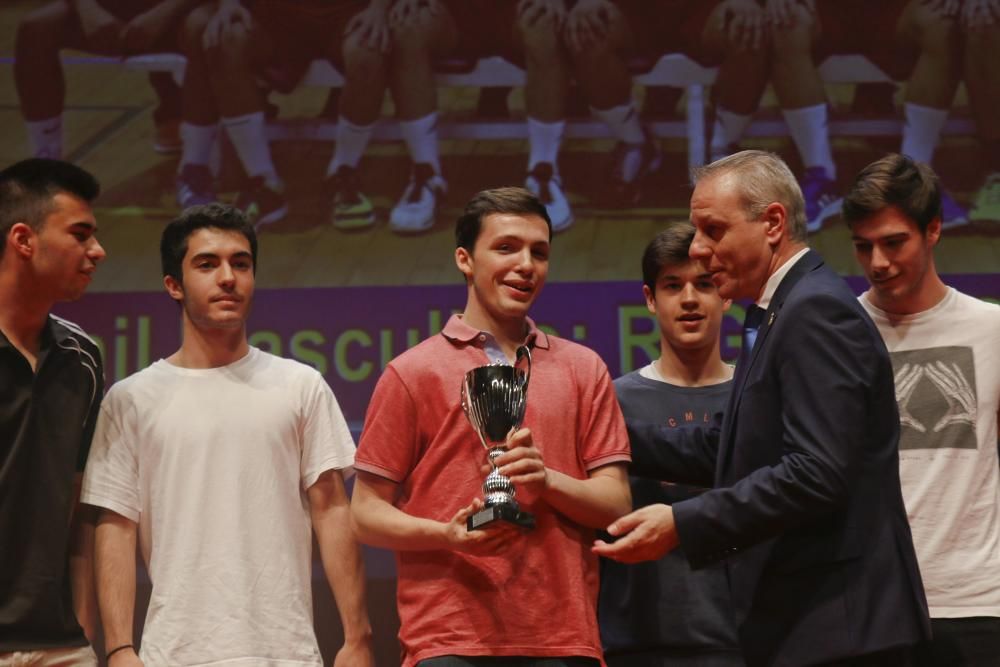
[772, 283]
[49, 333]
[457, 331]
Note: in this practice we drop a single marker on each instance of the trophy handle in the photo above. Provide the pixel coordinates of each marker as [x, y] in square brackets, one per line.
[524, 353]
[467, 409]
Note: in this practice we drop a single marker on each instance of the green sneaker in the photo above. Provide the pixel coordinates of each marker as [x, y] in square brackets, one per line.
[351, 209]
[261, 203]
[986, 205]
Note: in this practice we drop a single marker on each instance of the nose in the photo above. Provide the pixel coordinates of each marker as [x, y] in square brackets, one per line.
[524, 265]
[699, 250]
[226, 275]
[689, 295]
[880, 261]
[95, 251]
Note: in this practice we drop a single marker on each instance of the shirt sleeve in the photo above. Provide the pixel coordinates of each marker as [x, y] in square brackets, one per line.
[111, 478]
[326, 439]
[388, 441]
[95, 408]
[603, 438]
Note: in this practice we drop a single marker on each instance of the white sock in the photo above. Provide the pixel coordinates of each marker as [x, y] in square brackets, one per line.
[727, 130]
[352, 140]
[544, 140]
[623, 121]
[922, 130]
[808, 126]
[46, 137]
[198, 143]
[250, 141]
[421, 138]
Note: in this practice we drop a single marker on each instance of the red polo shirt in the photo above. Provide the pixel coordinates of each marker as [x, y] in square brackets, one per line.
[539, 598]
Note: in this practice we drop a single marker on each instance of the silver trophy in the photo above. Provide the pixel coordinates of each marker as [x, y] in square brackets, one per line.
[494, 398]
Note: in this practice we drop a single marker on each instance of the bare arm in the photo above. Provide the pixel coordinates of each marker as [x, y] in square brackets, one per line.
[377, 521]
[115, 560]
[345, 572]
[593, 502]
[81, 564]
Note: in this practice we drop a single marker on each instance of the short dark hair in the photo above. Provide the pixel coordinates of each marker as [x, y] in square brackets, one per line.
[516, 201]
[28, 187]
[174, 241]
[894, 180]
[668, 248]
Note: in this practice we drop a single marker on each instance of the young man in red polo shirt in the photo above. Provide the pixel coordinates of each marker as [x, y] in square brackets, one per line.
[466, 596]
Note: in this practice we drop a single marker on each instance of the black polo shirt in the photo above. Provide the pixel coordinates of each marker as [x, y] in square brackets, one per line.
[46, 423]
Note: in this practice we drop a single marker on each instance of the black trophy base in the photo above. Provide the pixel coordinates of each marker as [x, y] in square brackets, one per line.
[509, 513]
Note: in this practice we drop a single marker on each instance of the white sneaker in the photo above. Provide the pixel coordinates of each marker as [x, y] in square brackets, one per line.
[543, 183]
[417, 208]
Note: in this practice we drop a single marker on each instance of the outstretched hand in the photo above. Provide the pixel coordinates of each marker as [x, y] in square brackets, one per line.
[648, 533]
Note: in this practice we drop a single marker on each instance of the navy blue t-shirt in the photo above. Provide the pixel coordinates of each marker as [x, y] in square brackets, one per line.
[665, 607]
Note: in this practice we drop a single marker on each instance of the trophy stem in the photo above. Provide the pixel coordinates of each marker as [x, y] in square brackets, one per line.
[497, 488]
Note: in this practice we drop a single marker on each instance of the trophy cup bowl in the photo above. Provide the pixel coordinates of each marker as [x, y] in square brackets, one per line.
[494, 399]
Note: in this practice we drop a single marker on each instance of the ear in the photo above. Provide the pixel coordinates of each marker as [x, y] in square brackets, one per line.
[933, 232]
[174, 288]
[726, 303]
[775, 217]
[464, 262]
[21, 239]
[650, 299]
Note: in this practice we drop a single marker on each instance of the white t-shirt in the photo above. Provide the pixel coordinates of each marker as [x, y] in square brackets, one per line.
[213, 465]
[947, 366]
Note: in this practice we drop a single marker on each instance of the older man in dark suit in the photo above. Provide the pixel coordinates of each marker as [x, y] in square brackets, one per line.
[806, 509]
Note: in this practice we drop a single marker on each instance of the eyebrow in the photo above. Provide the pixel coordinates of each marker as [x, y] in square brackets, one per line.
[90, 226]
[242, 254]
[887, 237]
[674, 276]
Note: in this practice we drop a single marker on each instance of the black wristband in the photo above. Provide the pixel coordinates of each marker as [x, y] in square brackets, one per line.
[115, 650]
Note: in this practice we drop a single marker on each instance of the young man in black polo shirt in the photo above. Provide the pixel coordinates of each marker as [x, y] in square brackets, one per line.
[51, 383]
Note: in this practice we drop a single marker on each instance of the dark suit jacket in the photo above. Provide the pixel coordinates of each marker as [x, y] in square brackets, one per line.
[807, 508]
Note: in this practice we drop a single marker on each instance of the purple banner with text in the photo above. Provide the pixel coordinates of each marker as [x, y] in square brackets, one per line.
[350, 333]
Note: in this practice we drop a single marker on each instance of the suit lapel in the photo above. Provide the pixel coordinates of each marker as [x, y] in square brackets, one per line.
[810, 261]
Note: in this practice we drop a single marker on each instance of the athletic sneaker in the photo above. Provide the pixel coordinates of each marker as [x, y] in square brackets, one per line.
[351, 209]
[417, 208]
[543, 183]
[823, 198]
[632, 163]
[986, 206]
[952, 213]
[261, 203]
[194, 186]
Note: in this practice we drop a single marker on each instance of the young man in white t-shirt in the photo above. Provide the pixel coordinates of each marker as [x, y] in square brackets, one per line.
[945, 349]
[224, 460]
